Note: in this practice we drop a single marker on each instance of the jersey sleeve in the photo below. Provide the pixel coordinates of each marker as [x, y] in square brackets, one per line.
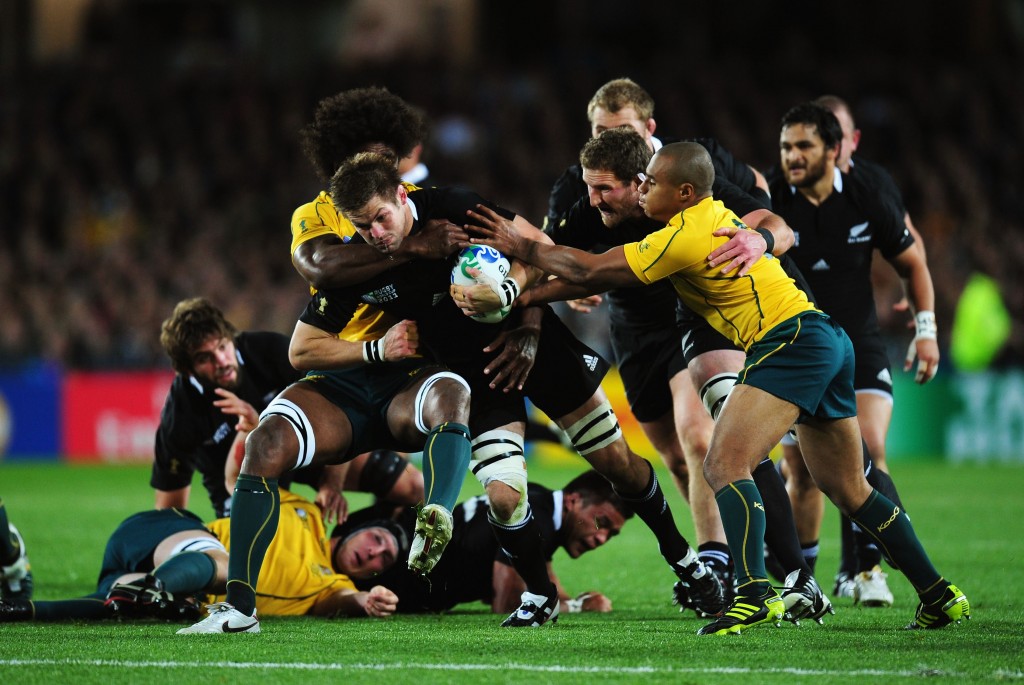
[892, 235]
[174, 449]
[314, 219]
[663, 253]
[329, 310]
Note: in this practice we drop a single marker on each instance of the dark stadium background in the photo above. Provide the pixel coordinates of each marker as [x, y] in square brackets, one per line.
[148, 153]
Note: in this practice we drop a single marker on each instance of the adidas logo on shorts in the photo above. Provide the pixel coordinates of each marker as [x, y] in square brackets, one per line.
[590, 360]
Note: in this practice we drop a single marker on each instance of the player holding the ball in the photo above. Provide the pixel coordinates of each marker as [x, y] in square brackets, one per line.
[565, 386]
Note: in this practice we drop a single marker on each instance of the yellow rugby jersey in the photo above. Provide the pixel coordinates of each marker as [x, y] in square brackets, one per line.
[742, 308]
[297, 570]
[318, 218]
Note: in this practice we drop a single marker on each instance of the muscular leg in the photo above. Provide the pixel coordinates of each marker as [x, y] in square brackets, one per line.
[874, 414]
[751, 423]
[805, 498]
[499, 465]
[595, 433]
[313, 431]
[694, 427]
[663, 437]
[437, 408]
[834, 457]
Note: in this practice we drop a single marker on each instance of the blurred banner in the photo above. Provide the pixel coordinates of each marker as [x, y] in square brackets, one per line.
[112, 417]
[29, 411]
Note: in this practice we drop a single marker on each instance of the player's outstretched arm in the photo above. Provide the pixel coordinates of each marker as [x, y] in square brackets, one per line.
[377, 602]
[596, 272]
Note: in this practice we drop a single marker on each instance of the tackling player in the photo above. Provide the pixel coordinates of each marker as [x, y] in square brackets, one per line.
[794, 351]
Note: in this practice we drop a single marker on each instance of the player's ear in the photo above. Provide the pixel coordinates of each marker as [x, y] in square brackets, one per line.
[403, 194]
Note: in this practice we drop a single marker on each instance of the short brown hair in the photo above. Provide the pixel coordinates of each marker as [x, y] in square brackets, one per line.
[619, 93]
[621, 151]
[192, 323]
[362, 178]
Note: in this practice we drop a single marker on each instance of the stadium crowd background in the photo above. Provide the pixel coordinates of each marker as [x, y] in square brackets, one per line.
[148, 150]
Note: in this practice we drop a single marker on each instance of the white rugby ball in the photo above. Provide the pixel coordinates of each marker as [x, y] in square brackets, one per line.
[492, 264]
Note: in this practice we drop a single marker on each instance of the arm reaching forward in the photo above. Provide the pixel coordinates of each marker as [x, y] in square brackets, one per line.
[596, 272]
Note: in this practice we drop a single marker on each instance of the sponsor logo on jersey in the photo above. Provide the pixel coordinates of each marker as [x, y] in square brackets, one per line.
[796, 238]
[437, 298]
[386, 294]
[859, 234]
[322, 309]
[590, 360]
[758, 505]
[821, 265]
[223, 430]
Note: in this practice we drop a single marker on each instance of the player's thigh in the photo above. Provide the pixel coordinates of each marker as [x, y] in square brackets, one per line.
[874, 413]
[750, 425]
[434, 396]
[693, 424]
[304, 425]
[833, 454]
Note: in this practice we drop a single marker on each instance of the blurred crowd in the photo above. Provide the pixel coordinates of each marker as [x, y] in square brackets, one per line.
[127, 184]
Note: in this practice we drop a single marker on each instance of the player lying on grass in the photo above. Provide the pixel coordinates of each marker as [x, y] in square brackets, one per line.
[580, 517]
[161, 563]
[798, 369]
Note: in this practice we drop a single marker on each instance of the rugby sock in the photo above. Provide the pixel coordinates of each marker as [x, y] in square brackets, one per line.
[446, 456]
[743, 518]
[10, 550]
[880, 518]
[810, 552]
[867, 554]
[715, 554]
[848, 547]
[84, 608]
[522, 543]
[188, 572]
[780, 526]
[652, 508]
[255, 509]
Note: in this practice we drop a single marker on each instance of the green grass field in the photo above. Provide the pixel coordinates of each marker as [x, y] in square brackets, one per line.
[969, 517]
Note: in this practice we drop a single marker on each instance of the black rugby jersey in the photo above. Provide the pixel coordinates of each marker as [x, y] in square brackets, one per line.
[194, 435]
[835, 243]
[466, 570]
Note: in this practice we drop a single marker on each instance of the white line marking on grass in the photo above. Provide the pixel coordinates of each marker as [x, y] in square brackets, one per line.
[285, 666]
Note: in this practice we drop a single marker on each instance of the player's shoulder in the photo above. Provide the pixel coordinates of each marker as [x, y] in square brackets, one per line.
[260, 342]
[865, 191]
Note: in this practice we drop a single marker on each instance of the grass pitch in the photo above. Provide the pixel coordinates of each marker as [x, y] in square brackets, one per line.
[969, 517]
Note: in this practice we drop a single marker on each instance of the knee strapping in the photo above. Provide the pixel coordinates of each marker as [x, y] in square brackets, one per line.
[421, 396]
[498, 456]
[715, 392]
[296, 418]
[597, 429]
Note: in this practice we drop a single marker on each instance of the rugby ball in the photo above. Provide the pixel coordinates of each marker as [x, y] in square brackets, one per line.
[492, 264]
